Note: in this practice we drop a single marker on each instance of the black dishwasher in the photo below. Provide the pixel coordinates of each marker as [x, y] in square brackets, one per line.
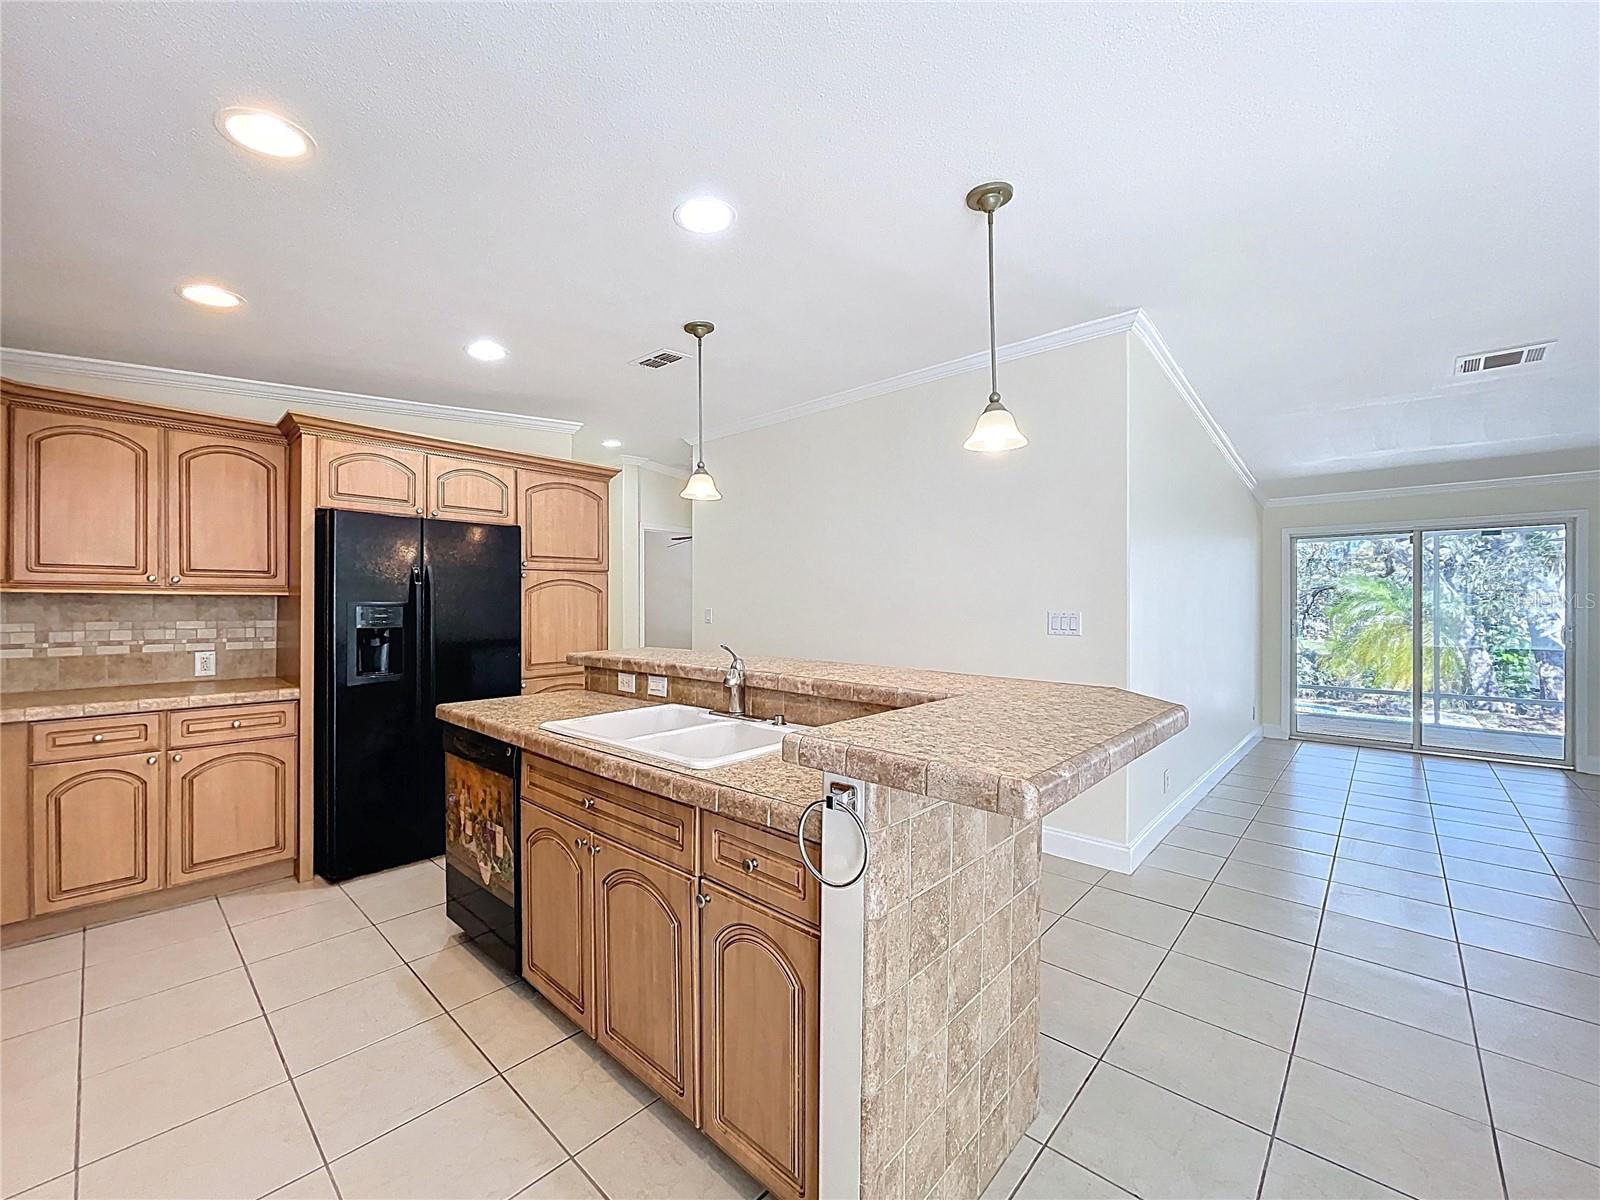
[483, 884]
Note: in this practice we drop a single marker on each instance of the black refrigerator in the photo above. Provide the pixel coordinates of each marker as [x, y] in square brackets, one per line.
[412, 614]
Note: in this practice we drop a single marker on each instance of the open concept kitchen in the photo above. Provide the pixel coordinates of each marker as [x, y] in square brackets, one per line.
[764, 601]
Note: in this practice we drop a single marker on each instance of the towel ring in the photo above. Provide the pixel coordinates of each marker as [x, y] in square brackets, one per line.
[831, 801]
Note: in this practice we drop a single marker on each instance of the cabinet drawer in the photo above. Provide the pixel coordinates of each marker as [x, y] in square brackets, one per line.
[95, 737]
[650, 824]
[759, 865]
[236, 723]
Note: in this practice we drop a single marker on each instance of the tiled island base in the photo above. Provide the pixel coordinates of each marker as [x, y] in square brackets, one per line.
[950, 1035]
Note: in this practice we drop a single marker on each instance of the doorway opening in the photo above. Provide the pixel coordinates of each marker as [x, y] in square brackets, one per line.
[666, 597]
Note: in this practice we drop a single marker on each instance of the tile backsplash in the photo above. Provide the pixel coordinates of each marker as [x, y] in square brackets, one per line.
[56, 641]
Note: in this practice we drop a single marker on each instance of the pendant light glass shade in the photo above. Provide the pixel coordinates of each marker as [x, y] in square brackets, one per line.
[700, 486]
[996, 430]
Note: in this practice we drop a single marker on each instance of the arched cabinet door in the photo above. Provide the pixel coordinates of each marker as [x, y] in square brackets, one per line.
[468, 489]
[85, 500]
[229, 807]
[370, 478]
[227, 512]
[758, 1039]
[561, 614]
[564, 523]
[557, 913]
[644, 970]
[96, 830]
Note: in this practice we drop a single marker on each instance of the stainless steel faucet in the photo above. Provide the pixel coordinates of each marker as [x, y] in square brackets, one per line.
[734, 681]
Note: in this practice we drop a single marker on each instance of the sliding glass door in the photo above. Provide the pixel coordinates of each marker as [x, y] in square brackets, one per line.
[1446, 639]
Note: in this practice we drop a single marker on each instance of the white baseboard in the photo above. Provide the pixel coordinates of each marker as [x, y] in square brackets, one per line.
[1125, 857]
[1276, 732]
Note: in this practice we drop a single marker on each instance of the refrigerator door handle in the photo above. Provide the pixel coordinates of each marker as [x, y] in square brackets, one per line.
[424, 712]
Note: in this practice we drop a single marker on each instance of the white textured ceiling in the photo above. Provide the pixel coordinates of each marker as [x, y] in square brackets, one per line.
[1319, 206]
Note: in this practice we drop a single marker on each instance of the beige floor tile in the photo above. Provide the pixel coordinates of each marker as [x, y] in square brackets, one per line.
[1419, 820]
[1400, 1142]
[1235, 1076]
[137, 935]
[1576, 952]
[1157, 1144]
[1516, 906]
[1226, 998]
[49, 1001]
[578, 1092]
[1398, 995]
[1078, 1011]
[1534, 1035]
[1535, 1173]
[62, 1187]
[1232, 802]
[1174, 888]
[270, 899]
[1423, 862]
[287, 979]
[1395, 882]
[657, 1155]
[1054, 1176]
[1534, 983]
[1294, 829]
[1062, 1071]
[1203, 851]
[1391, 946]
[40, 960]
[513, 1024]
[298, 927]
[1556, 1111]
[165, 1090]
[115, 1036]
[1436, 1070]
[38, 1106]
[395, 893]
[1133, 916]
[1012, 1170]
[1505, 856]
[1057, 893]
[1230, 827]
[325, 1027]
[1284, 918]
[484, 1142]
[458, 975]
[316, 1186]
[1473, 831]
[1264, 955]
[1122, 962]
[1292, 1174]
[419, 934]
[138, 975]
[566, 1182]
[1284, 858]
[364, 1095]
[242, 1151]
[1055, 865]
[1285, 885]
[1415, 915]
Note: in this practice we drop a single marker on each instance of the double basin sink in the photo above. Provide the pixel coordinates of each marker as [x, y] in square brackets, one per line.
[679, 733]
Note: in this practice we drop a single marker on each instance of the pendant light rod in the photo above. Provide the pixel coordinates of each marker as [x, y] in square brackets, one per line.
[996, 429]
[994, 354]
[698, 330]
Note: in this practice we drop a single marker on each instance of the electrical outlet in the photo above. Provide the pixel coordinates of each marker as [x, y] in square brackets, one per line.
[205, 663]
[657, 685]
[626, 682]
[1166, 781]
[708, 616]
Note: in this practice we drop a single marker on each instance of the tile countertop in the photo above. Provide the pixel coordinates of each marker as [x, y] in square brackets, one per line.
[141, 697]
[1018, 746]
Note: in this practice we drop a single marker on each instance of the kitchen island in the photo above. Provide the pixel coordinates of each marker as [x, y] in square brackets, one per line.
[927, 1073]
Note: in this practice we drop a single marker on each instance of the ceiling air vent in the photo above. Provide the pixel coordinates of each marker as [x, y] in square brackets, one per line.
[657, 359]
[1500, 360]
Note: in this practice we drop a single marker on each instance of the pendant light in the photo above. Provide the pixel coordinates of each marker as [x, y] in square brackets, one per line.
[996, 429]
[700, 486]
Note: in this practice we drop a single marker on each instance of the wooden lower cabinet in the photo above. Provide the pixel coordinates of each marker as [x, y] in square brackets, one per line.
[759, 1041]
[644, 955]
[96, 830]
[229, 807]
[557, 913]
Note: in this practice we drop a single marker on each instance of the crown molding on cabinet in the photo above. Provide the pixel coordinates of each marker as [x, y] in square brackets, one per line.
[289, 396]
[1414, 489]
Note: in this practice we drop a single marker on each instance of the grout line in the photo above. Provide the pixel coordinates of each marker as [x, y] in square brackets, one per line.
[77, 1127]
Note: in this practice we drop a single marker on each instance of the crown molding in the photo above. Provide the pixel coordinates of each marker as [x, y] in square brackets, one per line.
[650, 464]
[1056, 339]
[1413, 489]
[290, 396]
[1145, 330]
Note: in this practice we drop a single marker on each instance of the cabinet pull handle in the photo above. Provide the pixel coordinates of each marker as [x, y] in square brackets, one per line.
[750, 864]
[149, 578]
[701, 899]
[177, 758]
[99, 737]
[152, 759]
[236, 724]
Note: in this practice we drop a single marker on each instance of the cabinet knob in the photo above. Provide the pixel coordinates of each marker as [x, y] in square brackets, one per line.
[152, 759]
[588, 801]
[236, 724]
[750, 864]
[419, 510]
[595, 848]
[149, 578]
[701, 899]
[581, 843]
[436, 512]
[177, 758]
[177, 579]
[99, 737]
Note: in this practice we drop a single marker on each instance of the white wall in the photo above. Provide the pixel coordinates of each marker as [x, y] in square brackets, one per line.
[641, 497]
[1529, 498]
[667, 585]
[1194, 539]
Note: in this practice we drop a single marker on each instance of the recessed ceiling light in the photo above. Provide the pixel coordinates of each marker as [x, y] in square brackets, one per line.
[611, 444]
[209, 295]
[264, 133]
[485, 350]
[704, 214]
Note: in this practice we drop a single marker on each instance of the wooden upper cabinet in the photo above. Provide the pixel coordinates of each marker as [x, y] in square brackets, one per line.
[86, 499]
[759, 1041]
[227, 512]
[96, 830]
[385, 479]
[230, 807]
[644, 970]
[558, 913]
[561, 614]
[564, 522]
[469, 489]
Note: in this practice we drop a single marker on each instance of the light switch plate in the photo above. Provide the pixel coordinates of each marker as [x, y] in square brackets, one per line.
[205, 663]
[626, 682]
[657, 685]
[1064, 624]
[708, 616]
